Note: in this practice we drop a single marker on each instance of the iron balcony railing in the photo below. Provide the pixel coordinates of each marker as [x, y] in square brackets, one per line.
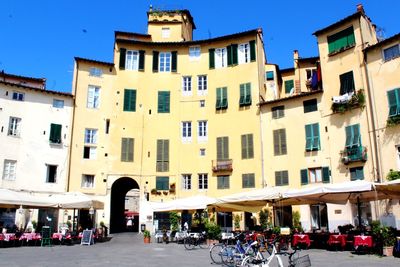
[222, 165]
[352, 154]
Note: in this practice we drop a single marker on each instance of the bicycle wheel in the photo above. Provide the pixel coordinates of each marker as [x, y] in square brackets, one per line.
[251, 261]
[215, 253]
[230, 256]
[188, 243]
[203, 243]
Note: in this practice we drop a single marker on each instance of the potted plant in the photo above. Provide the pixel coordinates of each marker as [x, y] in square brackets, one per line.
[389, 240]
[237, 220]
[153, 191]
[34, 225]
[213, 232]
[146, 236]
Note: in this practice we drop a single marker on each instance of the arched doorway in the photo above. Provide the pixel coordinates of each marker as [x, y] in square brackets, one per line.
[117, 210]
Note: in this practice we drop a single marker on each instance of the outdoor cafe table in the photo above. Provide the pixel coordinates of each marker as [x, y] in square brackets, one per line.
[30, 236]
[337, 240]
[301, 239]
[363, 241]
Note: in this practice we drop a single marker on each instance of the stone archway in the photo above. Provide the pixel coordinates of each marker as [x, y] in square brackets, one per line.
[118, 192]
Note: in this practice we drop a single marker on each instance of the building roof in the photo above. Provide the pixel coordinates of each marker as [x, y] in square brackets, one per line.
[5, 75]
[94, 61]
[339, 23]
[37, 89]
[184, 11]
[309, 59]
[186, 43]
[303, 94]
[287, 70]
[383, 42]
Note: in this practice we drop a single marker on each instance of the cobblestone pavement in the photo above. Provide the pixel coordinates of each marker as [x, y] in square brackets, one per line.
[128, 249]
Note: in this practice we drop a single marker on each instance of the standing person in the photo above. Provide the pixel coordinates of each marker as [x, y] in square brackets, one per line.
[185, 226]
[129, 224]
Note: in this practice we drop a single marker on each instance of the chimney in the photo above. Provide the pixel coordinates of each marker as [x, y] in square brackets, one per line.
[360, 8]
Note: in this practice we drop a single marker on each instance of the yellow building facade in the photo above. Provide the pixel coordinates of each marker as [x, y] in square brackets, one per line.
[170, 116]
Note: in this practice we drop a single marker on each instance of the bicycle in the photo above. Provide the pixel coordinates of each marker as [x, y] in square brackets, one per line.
[195, 239]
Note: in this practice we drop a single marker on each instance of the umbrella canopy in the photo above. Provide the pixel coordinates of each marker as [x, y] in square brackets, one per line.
[26, 199]
[251, 201]
[188, 203]
[76, 200]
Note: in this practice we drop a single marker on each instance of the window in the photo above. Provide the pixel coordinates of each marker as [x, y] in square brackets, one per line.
[132, 60]
[203, 181]
[281, 178]
[90, 136]
[186, 85]
[247, 146]
[244, 53]
[165, 62]
[202, 84]
[194, 53]
[96, 72]
[310, 73]
[162, 164]
[223, 182]
[107, 126]
[9, 170]
[163, 101]
[278, 112]
[162, 183]
[289, 86]
[89, 152]
[93, 99]
[51, 173]
[391, 53]
[346, 83]
[165, 32]
[245, 94]
[202, 103]
[87, 181]
[57, 103]
[129, 100]
[186, 131]
[353, 136]
[186, 181]
[279, 142]
[248, 180]
[202, 131]
[269, 75]
[18, 96]
[341, 40]
[202, 152]
[357, 173]
[310, 105]
[220, 58]
[14, 126]
[222, 98]
[127, 145]
[55, 133]
[394, 102]
[314, 175]
[312, 137]
[223, 148]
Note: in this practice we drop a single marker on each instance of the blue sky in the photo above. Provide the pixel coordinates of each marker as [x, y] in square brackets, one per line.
[41, 38]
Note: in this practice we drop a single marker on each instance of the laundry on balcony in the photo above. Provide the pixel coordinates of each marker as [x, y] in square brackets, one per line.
[343, 98]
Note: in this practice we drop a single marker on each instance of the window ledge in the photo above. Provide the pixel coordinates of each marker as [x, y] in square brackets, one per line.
[341, 50]
[390, 59]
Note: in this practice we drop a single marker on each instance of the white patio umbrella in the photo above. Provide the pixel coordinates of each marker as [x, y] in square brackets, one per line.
[188, 203]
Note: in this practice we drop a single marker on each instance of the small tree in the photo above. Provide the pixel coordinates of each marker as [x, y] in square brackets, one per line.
[296, 221]
[236, 220]
[264, 216]
[174, 219]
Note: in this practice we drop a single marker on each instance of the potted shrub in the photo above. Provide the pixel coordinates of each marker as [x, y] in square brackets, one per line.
[213, 232]
[237, 220]
[389, 240]
[146, 236]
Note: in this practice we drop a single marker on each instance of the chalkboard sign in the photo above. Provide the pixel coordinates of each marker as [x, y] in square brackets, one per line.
[46, 232]
[87, 237]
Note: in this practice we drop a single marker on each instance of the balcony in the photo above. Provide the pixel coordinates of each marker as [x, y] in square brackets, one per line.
[346, 102]
[222, 165]
[354, 154]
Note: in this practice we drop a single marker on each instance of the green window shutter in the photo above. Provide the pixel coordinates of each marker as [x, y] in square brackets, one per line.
[325, 175]
[167, 102]
[55, 133]
[248, 93]
[289, 85]
[160, 108]
[244, 146]
[229, 54]
[166, 155]
[123, 149]
[309, 137]
[316, 145]
[219, 148]
[162, 183]
[218, 103]
[127, 149]
[226, 147]
[349, 136]
[252, 50]
[222, 148]
[304, 176]
[129, 100]
[122, 56]
[130, 149]
[141, 60]
[163, 102]
[285, 177]
[234, 54]
[224, 97]
[155, 61]
[269, 75]
[310, 105]
[341, 40]
[283, 141]
[159, 155]
[278, 178]
[211, 58]
[242, 95]
[276, 142]
[394, 103]
[356, 135]
[250, 146]
[174, 61]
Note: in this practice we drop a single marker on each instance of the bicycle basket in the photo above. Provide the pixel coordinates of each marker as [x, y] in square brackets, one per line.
[303, 261]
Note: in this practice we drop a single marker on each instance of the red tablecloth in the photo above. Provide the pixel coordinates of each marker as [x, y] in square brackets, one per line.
[30, 236]
[363, 240]
[301, 239]
[9, 237]
[337, 239]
